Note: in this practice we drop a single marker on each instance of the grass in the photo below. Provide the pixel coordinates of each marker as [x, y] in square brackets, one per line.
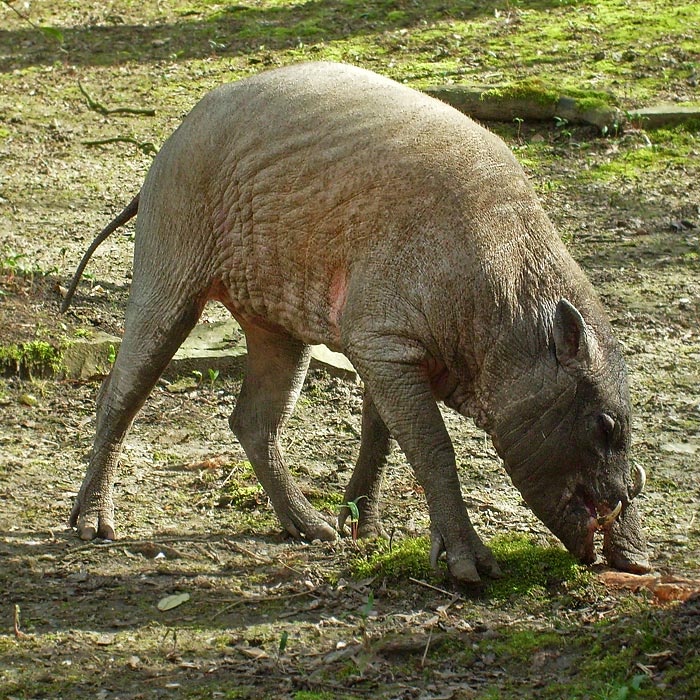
[660, 150]
[409, 557]
[633, 49]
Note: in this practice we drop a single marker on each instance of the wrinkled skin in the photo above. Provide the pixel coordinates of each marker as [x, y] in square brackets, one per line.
[324, 204]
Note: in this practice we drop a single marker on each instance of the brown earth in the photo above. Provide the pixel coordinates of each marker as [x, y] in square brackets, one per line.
[268, 617]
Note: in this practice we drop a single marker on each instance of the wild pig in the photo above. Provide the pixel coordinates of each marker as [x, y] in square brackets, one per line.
[322, 203]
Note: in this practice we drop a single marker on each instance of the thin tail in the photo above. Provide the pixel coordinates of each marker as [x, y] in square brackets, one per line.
[129, 212]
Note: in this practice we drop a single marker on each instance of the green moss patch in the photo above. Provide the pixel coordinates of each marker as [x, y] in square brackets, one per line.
[34, 359]
[241, 489]
[329, 502]
[529, 568]
[406, 558]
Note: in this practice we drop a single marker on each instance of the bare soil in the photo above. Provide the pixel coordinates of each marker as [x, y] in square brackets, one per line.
[269, 617]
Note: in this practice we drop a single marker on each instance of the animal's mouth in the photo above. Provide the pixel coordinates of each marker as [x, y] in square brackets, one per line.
[601, 515]
[594, 515]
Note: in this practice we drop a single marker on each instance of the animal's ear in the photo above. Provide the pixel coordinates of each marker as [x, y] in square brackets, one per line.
[574, 342]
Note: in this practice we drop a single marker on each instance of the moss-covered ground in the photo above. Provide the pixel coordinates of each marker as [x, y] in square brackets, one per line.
[272, 618]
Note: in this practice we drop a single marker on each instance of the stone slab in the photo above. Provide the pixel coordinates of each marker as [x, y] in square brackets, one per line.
[211, 346]
[663, 115]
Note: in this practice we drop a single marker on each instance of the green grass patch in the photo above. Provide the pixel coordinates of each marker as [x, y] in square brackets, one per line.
[666, 148]
[16, 265]
[330, 502]
[521, 644]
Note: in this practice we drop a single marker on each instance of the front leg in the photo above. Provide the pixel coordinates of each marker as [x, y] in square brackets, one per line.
[395, 376]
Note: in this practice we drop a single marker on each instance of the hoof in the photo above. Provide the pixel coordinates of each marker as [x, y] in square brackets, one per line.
[374, 530]
[90, 532]
[313, 529]
[91, 526]
[464, 571]
[620, 562]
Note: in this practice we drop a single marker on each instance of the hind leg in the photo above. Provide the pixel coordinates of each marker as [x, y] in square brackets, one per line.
[151, 338]
[366, 481]
[276, 366]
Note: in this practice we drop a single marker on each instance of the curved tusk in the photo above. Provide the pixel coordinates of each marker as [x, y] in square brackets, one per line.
[609, 519]
[639, 479]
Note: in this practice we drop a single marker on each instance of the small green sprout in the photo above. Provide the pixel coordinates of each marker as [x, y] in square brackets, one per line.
[283, 643]
[354, 515]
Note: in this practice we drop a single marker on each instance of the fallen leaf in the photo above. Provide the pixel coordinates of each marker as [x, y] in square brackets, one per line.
[172, 601]
[663, 588]
[253, 652]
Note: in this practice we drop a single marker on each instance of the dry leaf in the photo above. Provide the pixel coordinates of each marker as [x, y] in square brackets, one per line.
[253, 652]
[663, 588]
[172, 601]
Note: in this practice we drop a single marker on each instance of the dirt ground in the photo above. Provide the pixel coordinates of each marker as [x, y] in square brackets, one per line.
[268, 617]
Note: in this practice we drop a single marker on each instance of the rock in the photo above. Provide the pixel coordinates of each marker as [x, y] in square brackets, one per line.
[663, 115]
[89, 358]
[211, 346]
[680, 448]
[529, 102]
[333, 362]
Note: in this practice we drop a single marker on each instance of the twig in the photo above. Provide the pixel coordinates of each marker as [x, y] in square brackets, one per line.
[145, 146]
[340, 689]
[20, 15]
[265, 560]
[454, 596]
[23, 17]
[99, 107]
[125, 543]
[427, 646]
[46, 31]
[262, 599]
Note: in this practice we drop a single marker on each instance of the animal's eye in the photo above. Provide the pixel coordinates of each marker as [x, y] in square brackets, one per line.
[607, 424]
[612, 430]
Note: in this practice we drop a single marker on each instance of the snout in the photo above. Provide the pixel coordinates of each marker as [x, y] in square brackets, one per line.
[624, 543]
[617, 517]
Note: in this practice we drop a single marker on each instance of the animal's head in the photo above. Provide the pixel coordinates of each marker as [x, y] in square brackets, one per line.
[565, 439]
